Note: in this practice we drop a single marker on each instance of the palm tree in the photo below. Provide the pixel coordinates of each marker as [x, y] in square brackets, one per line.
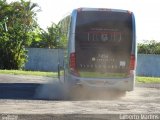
[51, 36]
[29, 11]
[24, 12]
[19, 19]
[4, 7]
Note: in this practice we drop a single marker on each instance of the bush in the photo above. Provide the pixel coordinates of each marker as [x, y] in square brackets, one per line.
[149, 47]
[17, 22]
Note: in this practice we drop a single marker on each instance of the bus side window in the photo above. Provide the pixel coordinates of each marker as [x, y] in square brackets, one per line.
[65, 28]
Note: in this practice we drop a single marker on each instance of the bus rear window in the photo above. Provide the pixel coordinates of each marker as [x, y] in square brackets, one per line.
[103, 41]
[104, 26]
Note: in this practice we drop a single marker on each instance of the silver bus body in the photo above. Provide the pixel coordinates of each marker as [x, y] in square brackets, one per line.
[102, 67]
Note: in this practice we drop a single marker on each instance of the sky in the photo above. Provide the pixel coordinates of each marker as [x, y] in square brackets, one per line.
[146, 12]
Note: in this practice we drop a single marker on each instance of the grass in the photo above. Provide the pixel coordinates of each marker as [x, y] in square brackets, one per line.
[35, 73]
[139, 79]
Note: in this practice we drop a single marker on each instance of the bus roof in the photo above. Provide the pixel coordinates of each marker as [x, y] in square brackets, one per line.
[103, 9]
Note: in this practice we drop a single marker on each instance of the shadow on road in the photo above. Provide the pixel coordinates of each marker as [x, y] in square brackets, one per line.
[18, 90]
[50, 91]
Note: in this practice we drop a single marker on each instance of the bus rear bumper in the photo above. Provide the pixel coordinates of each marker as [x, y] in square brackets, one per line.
[121, 84]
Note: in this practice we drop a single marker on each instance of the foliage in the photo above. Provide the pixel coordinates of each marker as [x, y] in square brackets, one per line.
[34, 73]
[50, 38]
[149, 47]
[17, 22]
[143, 79]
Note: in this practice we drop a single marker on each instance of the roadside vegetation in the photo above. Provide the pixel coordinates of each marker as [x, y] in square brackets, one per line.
[17, 25]
[142, 79]
[19, 30]
[139, 79]
[149, 47]
[34, 73]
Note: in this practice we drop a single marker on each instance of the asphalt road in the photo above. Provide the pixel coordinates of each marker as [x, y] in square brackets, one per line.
[39, 98]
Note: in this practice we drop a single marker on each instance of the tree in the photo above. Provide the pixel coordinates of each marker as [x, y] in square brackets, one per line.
[149, 47]
[50, 38]
[18, 21]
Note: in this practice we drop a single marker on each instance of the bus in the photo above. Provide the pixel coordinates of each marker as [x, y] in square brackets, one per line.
[100, 49]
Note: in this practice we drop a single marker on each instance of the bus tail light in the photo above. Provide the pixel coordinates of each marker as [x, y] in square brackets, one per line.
[132, 62]
[72, 64]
